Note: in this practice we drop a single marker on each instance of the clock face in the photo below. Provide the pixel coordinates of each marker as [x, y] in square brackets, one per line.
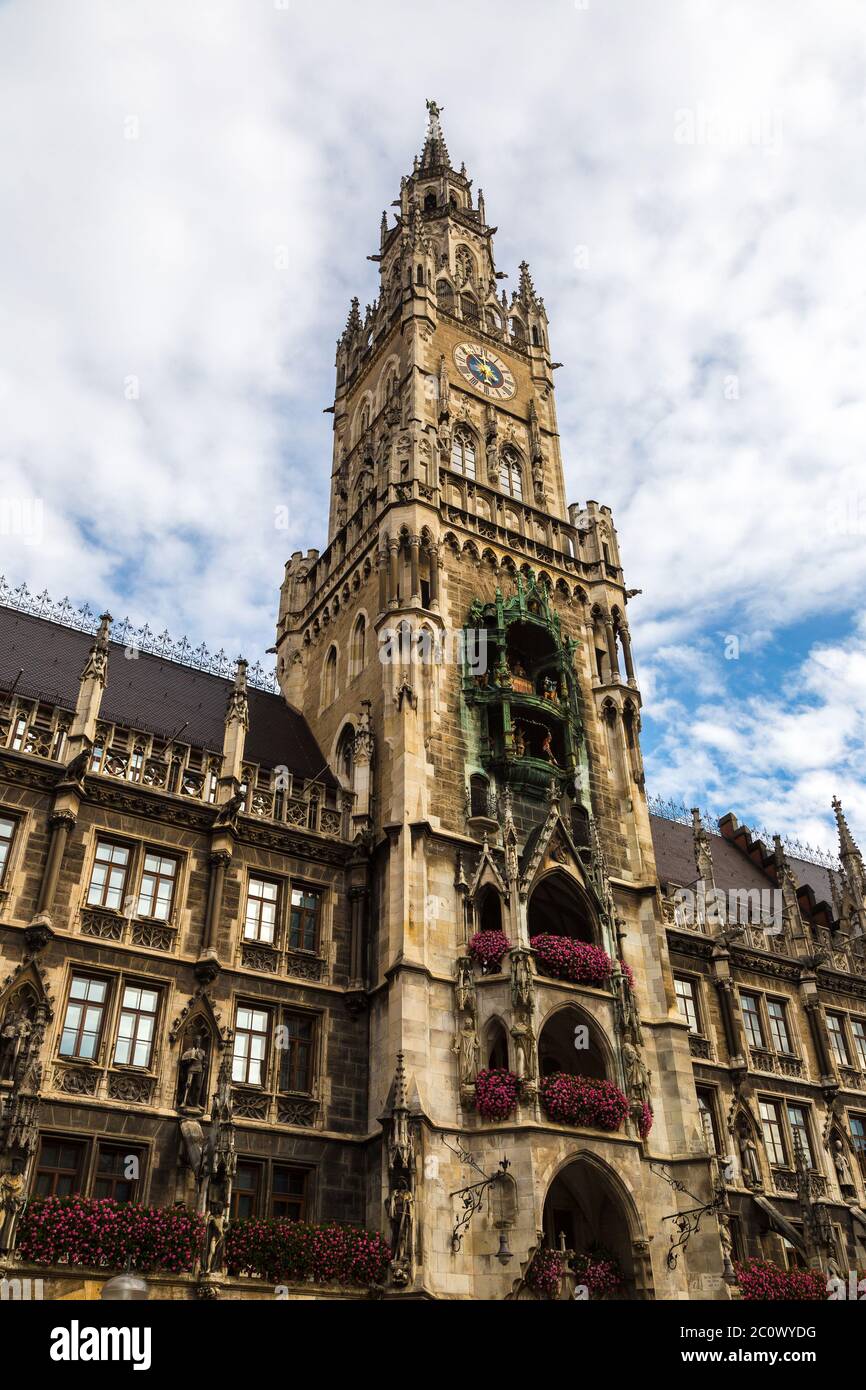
[484, 370]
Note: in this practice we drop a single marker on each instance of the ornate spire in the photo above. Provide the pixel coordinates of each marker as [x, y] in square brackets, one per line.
[849, 854]
[400, 1084]
[852, 899]
[353, 322]
[792, 917]
[96, 666]
[526, 289]
[238, 708]
[435, 152]
[703, 853]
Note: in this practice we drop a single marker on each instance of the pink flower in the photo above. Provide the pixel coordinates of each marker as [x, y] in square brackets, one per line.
[583, 1100]
[495, 1093]
[567, 959]
[488, 948]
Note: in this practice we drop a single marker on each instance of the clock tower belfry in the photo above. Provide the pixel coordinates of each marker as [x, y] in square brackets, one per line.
[460, 647]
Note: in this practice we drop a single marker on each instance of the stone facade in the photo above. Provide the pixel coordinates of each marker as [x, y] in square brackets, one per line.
[302, 1023]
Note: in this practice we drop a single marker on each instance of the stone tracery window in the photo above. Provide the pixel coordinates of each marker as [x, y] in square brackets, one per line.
[464, 266]
[463, 453]
[510, 473]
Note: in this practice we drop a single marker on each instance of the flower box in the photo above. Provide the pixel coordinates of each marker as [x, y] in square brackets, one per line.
[761, 1281]
[567, 959]
[583, 1100]
[95, 1233]
[495, 1093]
[487, 948]
[283, 1252]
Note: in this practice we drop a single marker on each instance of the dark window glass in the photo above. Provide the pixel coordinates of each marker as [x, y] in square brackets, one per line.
[118, 1170]
[296, 1071]
[245, 1190]
[58, 1170]
[304, 921]
[289, 1196]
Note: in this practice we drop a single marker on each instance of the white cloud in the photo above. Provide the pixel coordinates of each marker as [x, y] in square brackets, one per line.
[713, 345]
[785, 755]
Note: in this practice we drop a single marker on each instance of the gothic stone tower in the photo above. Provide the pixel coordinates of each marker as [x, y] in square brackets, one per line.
[461, 650]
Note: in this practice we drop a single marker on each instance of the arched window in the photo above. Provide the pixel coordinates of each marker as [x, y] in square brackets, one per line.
[478, 795]
[463, 453]
[346, 757]
[558, 908]
[518, 332]
[469, 305]
[445, 296]
[510, 473]
[464, 265]
[557, 1050]
[419, 275]
[329, 678]
[430, 201]
[488, 911]
[496, 1044]
[358, 649]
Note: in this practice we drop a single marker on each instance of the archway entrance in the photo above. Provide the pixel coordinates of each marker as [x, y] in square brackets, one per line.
[585, 1213]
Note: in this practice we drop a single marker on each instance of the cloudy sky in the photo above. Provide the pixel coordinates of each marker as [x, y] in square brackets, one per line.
[187, 196]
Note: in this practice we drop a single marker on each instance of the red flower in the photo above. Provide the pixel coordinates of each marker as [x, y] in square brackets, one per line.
[583, 1100]
[545, 1273]
[567, 959]
[488, 948]
[495, 1093]
[761, 1281]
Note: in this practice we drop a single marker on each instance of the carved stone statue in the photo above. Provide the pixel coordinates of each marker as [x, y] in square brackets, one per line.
[627, 1015]
[194, 1074]
[464, 989]
[749, 1163]
[524, 1047]
[214, 1237]
[13, 1035]
[637, 1076]
[842, 1166]
[229, 811]
[727, 1244]
[468, 1050]
[401, 1210]
[12, 1201]
[492, 461]
[521, 980]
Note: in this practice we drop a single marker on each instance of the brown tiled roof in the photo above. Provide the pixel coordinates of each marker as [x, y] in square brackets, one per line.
[673, 843]
[152, 694]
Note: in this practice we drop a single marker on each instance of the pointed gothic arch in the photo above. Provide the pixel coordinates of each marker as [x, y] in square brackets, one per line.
[562, 1048]
[511, 471]
[495, 1049]
[464, 449]
[329, 677]
[358, 646]
[589, 1209]
[560, 906]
